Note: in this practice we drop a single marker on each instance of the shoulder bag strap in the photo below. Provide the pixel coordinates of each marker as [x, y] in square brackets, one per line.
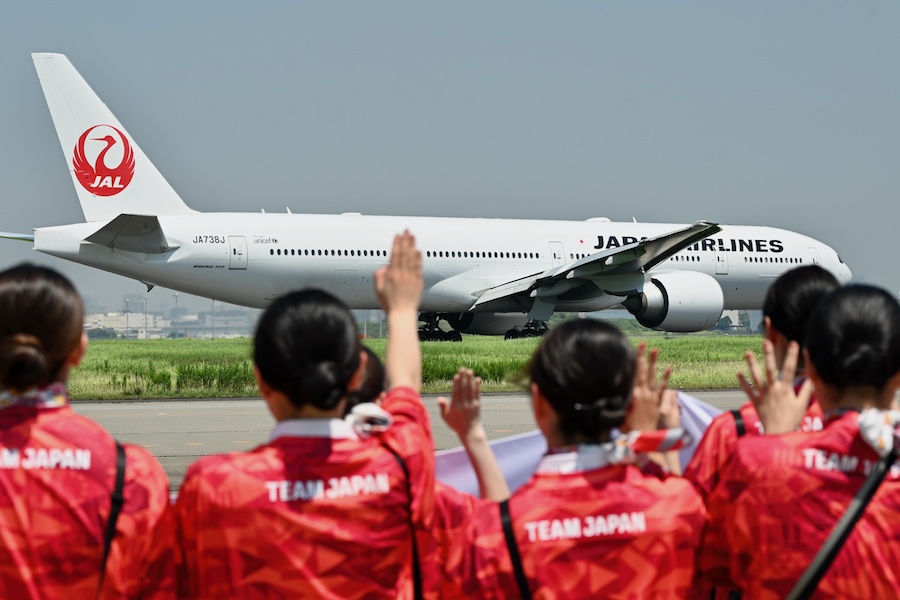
[809, 581]
[417, 569]
[513, 547]
[117, 499]
[739, 422]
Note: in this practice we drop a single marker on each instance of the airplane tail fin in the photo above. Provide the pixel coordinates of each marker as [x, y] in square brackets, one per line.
[111, 174]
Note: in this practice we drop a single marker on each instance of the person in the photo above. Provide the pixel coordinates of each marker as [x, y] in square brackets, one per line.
[59, 534]
[787, 307]
[323, 509]
[462, 414]
[589, 523]
[780, 494]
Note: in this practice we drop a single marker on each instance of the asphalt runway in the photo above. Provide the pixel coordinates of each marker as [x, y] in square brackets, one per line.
[178, 432]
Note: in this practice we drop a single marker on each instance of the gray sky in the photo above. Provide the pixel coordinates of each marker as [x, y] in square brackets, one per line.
[764, 113]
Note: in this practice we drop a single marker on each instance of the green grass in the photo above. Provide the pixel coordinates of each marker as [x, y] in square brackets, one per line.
[120, 369]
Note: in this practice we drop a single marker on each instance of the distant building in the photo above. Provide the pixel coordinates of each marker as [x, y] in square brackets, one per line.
[136, 322]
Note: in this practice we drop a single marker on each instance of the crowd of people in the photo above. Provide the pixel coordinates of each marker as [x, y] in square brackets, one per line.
[342, 502]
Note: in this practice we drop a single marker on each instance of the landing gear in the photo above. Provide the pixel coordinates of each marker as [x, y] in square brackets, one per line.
[431, 332]
[532, 328]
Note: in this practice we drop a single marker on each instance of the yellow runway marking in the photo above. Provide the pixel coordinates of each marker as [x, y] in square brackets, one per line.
[195, 443]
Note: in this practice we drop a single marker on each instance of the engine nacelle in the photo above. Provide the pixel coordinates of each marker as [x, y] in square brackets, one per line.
[684, 301]
[486, 323]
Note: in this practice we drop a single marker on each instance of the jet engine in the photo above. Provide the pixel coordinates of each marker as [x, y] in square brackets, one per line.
[683, 301]
[486, 323]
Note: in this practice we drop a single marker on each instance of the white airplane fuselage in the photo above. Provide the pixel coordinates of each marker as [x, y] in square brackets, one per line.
[481, 275]
[251, 258]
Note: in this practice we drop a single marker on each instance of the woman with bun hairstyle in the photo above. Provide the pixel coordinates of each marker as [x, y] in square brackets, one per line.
[324, 509]
[60, 536]
[591, 522]
[781, 494]
[788, 306]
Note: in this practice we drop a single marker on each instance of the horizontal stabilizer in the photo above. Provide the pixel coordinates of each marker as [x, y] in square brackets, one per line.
[22, 237]
[631, 259]
[133, 233]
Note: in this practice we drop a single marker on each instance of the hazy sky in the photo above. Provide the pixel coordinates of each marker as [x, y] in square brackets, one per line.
[763, 113]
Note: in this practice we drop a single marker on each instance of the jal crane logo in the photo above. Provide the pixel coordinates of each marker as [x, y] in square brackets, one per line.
[98, 177]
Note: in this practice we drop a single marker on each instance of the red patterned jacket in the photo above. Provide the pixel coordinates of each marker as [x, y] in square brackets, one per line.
[57, 472]
[316, 512]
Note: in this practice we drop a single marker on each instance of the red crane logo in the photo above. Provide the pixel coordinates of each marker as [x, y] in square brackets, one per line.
[99, 178]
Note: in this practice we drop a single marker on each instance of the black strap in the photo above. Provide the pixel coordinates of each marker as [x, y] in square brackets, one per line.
[808, 582]
[521, 580]
[738, 422]
[417, 569]
[117, 499]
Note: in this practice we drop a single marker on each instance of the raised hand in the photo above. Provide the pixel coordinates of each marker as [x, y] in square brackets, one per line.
[462, 413]
[398, 284]
[647, 396]
[669, 410]
[779, 407]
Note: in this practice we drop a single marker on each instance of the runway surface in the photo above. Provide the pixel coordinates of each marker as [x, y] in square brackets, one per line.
[178, 432]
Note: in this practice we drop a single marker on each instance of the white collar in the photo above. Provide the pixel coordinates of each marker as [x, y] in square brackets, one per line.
[584, 458]
[320, 428]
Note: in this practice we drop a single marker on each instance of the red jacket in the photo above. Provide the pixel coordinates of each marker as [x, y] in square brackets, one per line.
[779, 498]
[57, 471]
[316, 512]
[608, 532]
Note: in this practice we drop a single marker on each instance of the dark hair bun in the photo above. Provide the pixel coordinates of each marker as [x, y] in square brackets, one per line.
[604, 413]
[323, 383]
[25, 362]
[863, 363]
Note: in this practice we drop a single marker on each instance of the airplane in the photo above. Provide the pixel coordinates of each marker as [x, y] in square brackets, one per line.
[483, 276]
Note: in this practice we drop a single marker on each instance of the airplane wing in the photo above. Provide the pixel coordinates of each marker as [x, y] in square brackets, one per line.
[22, 237]
[633, 259]
[134, 233]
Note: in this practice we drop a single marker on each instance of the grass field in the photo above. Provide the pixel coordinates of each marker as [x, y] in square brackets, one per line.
[121, 369]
